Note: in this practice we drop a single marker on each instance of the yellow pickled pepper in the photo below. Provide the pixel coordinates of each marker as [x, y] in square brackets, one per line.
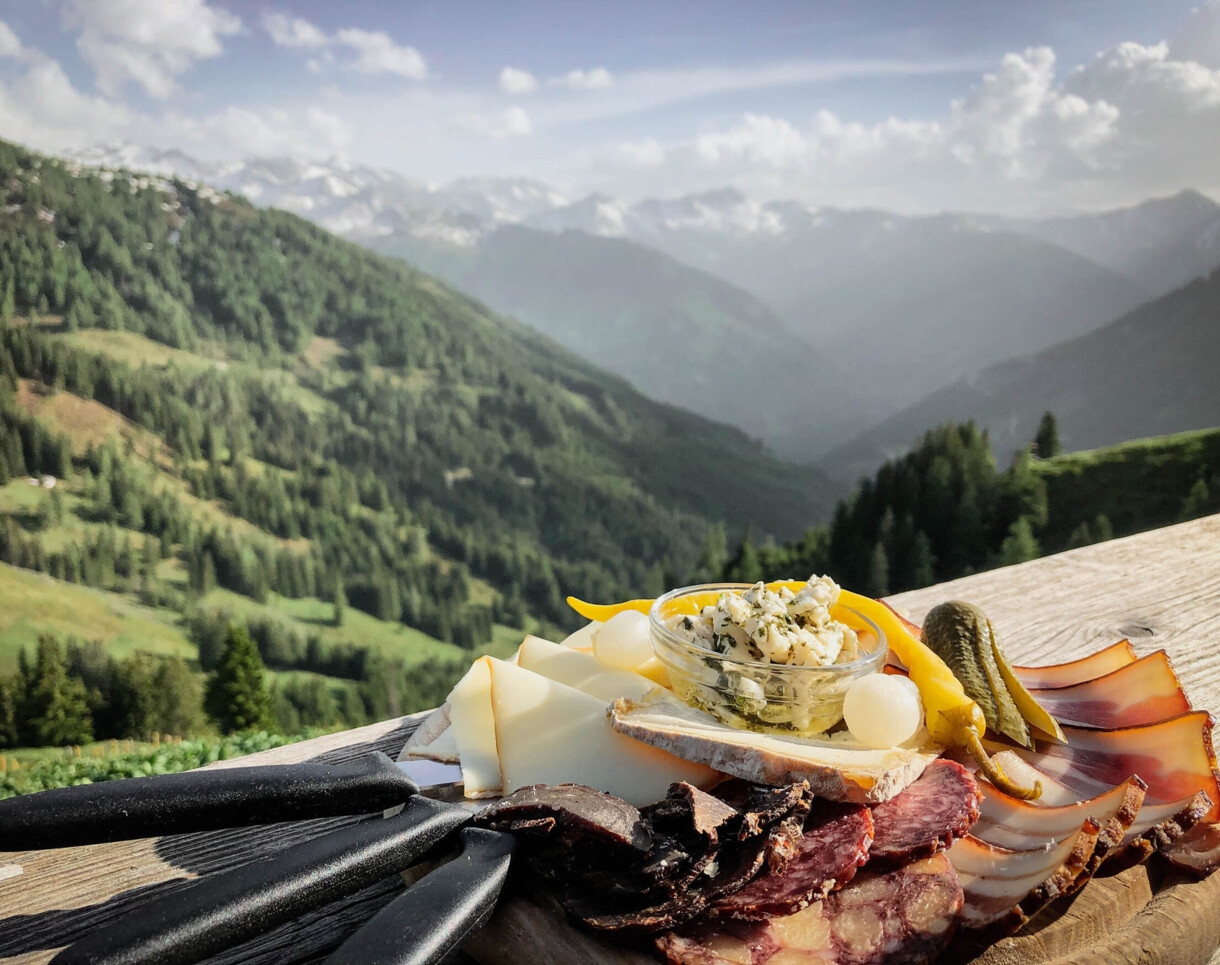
[952, 718]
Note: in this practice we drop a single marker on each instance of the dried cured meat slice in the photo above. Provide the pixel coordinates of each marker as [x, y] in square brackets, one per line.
[572, 807]
[1077, 671]
[1003, 889]
[1143, 692]
[901, 917]
[1173, 757]
[1024, 825]
[927, 816]
[833, 846]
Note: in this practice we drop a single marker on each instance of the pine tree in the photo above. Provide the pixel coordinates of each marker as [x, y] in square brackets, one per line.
[1103, 529]
[878, 571]
[1019, 545]
[745, 566]
[237, 697]
[1046, 441]
[10, 707]
[1197, 500]
[922, 565]
[339, 601]
[55, 710]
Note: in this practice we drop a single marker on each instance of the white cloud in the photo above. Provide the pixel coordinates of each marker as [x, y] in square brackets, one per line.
[243, 132]
[512, 122]
[1132, 122]
[288, 31]
[10, 46]
[515, 81]
[648, 153]
[147, 42]
[1198, 40]
[596, 79]
[377, 53]
[757, 139]
[370, 51]
[40, 107]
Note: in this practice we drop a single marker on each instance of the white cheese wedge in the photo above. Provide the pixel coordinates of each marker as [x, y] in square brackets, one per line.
[443, 749]
[582, 639]
[841, 770]
[474, 730]
[580, 670]
[550, 733]
[429, 729]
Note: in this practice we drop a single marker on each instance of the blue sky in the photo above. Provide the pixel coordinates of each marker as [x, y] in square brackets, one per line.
[1031, 106]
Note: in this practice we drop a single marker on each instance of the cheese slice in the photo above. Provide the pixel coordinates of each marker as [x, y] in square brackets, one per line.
[433, 739]
[550, 733]
[654, 670]
[580, 670]
[474, 730]
[841, 770]
[443, 749]
[582, 639]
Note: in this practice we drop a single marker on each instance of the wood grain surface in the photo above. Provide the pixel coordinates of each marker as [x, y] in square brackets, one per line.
[1159, 589]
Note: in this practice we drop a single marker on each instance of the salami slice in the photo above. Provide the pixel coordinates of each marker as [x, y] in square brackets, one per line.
[835, 843]
[900, 917]
[926, 817]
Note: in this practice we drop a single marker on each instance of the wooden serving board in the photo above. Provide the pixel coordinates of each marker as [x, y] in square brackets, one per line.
[1047, 611]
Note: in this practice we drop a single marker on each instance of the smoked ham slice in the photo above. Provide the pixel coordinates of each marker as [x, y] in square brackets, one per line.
[900, 917]
[928, 816]
[1143, 692]
[1003, 889]
[1078, 671]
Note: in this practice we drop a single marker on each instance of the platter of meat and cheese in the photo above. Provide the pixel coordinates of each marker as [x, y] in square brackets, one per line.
[789, 772]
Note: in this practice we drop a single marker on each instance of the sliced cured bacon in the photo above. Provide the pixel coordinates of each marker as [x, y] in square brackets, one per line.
[835, 843]
[1143, 692]
[1003, 889]
[1078, 671]
[927, 816]
[1008, 822]
[1157, 825]
[1173, 757]
[901, 917]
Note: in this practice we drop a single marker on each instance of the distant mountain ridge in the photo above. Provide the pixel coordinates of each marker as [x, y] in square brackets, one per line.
[883, 308]
[1151, 372]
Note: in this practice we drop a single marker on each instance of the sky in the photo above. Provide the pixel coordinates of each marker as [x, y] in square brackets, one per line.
[1035, 107]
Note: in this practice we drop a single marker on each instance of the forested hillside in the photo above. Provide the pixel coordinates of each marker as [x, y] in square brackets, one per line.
[677, 333]
[381, 418]
[216, 413]
[946, 510]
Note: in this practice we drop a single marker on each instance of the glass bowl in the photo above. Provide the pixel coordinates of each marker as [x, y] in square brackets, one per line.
[751, 694]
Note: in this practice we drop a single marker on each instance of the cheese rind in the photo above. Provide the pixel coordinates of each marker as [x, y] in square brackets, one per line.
[474, 730]
[580, 670]
[837, 770]
[550, 733]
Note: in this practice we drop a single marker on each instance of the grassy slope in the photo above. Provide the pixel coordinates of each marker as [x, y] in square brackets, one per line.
[1139, 485]
[31, 603]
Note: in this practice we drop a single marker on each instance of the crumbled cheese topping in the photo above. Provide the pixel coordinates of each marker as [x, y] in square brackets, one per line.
[781, 627]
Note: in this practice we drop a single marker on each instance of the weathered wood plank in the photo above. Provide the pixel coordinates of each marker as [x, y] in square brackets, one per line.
[1160, 589]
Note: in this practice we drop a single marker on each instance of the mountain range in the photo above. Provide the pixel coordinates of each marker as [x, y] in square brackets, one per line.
[1149, 373]
[806, 327]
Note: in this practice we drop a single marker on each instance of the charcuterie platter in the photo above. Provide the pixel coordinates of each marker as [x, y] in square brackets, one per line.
[915, 798]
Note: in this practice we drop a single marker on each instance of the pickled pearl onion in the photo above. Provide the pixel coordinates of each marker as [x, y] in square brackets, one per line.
[882, 710]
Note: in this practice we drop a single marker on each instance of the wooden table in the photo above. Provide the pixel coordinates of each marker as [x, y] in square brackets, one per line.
[1159, 589]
